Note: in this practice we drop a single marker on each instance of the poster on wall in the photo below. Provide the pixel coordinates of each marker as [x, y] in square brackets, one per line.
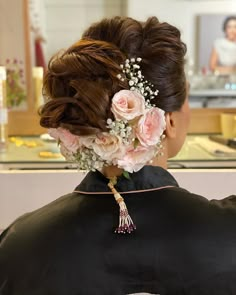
[217, 43]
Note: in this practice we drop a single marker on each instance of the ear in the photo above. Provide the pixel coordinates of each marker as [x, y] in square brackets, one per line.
[171, 130]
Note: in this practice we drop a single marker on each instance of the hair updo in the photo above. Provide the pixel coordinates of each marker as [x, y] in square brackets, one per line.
[81, 81]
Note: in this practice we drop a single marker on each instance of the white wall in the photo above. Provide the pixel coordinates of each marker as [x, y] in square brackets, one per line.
[181, 13]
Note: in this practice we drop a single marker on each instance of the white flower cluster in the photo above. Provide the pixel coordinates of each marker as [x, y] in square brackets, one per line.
[87, 160]
[120, 128]
[132, 72]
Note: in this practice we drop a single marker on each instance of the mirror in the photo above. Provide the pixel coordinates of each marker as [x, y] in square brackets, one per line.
[48, 25]
[16, 57]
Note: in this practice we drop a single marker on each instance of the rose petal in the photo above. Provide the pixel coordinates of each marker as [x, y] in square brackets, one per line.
[127, 105]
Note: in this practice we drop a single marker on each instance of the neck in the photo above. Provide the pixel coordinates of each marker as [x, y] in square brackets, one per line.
[112, 171]
[160, 161]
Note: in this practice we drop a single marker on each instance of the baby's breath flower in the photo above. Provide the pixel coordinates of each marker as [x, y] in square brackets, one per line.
[133, 75]
[120, 128]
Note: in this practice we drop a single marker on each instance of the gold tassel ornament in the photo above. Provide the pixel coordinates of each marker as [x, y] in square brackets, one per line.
[126, 224]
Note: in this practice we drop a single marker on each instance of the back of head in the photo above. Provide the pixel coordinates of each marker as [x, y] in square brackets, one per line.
[81, 81]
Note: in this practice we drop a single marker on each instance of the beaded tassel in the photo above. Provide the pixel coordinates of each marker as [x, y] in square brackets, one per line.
[126, 224]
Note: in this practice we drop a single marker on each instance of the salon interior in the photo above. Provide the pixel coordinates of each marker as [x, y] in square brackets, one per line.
[32, 170]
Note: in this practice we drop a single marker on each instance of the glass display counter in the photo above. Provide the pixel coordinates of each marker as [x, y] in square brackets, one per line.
[212, 91]
[38, 153]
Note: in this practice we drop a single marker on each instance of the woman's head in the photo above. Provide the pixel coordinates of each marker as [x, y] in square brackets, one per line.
[81, 82]
[229, 27]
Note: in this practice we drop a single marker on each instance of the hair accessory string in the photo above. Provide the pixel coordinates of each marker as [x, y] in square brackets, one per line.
[126, 224]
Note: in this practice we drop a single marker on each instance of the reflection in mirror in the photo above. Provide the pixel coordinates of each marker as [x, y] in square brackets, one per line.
[217, 44]
[213, 80]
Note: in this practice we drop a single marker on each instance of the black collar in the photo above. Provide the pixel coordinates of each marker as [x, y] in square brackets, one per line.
[149, 177]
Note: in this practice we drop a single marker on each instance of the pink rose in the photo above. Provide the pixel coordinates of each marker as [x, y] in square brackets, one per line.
[151, 126]
[54, 133]
[135, 159]
[87, 140]
[108, 147]
[127, 105]
[68, 155]
[69, 140]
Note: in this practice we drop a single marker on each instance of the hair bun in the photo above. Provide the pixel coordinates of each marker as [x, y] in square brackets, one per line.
[79, 83]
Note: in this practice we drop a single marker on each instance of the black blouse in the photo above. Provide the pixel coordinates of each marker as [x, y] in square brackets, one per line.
[183, 244]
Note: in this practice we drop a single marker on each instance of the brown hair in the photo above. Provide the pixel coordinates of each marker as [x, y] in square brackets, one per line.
[81, 81]
[227, 20]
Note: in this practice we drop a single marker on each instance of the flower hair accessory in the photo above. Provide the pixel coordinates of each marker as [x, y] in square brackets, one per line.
[132, 72]
[133, 137]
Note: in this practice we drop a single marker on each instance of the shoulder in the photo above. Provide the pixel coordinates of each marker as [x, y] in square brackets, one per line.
[199, 208]
[183, 196]
[31, 242]
[223, 44]
[220, 42]
[40, 222]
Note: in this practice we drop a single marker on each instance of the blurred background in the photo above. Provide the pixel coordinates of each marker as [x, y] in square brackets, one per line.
[31, 31]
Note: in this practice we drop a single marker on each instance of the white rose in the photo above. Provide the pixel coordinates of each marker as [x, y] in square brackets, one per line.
[69, 140]
[54, 133]
[67, 154]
